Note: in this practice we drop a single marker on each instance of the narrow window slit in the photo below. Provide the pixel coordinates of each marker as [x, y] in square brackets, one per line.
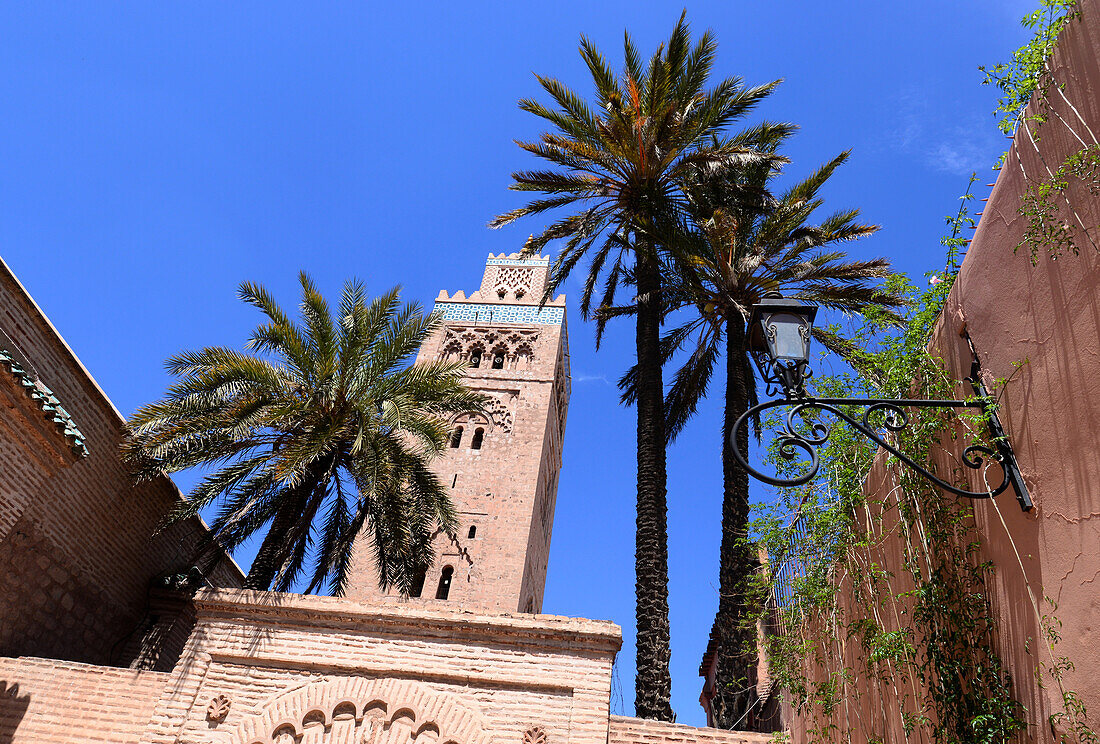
[444, 583]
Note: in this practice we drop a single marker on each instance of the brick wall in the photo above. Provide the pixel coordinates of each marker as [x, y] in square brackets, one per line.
[259, 650]
[54, 702]
[75, 538]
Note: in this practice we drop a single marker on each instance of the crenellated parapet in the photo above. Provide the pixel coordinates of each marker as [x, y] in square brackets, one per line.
[510, 280]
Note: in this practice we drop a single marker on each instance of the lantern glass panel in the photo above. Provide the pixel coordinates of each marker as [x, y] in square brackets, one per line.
[788, 337]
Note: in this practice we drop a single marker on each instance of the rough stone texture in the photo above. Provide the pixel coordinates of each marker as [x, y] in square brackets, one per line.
[509, 672]
[43, 701]
[622, 730]
[506, 490]
[75, 535]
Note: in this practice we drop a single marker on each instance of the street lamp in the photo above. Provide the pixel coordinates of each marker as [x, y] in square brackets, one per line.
[779, 341]
[779, 333]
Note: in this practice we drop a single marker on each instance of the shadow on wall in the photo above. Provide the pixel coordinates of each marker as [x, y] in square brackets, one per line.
[13, 707]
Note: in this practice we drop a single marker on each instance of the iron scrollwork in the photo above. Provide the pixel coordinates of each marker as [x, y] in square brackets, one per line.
[804, 433]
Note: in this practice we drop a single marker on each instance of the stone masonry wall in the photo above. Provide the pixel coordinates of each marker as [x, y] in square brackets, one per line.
[43, 701]
[505, 490]
[76, 540]
[278, 660]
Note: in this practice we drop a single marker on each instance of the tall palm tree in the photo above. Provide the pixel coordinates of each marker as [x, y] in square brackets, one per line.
[621, 165]
[324, 430]
[741, 243]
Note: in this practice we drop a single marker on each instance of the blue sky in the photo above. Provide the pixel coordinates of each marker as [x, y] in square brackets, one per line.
[154, 155]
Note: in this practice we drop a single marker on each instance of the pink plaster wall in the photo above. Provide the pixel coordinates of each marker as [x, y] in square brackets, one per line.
[1045, 318]
[1038, 326]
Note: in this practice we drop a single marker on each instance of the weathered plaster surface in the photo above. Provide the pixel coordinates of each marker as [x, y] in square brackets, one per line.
[1037, 329]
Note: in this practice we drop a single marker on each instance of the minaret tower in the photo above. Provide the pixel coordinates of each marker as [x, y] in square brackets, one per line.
[501, 469]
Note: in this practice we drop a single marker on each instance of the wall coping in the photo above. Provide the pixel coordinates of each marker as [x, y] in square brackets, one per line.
[278, 608]
[624, 728]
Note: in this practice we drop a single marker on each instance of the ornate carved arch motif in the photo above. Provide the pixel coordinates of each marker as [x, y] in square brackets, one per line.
[516, 346]
[356, 710]
[501, 413]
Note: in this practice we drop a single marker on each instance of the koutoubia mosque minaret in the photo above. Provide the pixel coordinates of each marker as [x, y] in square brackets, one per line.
[502, 468]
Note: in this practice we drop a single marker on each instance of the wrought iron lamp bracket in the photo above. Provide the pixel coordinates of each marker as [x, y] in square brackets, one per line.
[794, 438]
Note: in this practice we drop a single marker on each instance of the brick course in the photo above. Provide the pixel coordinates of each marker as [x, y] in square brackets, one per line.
[44, 701]
[622, 730]
[515, 671]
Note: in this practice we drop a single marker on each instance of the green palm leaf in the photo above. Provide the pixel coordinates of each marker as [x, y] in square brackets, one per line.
[322, 431]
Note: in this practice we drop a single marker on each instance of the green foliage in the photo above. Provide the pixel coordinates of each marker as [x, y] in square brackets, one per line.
[1028, 72]
[322, 430]
[1042, 202]
[1069, 724]
[916, 628]
[1053, 224]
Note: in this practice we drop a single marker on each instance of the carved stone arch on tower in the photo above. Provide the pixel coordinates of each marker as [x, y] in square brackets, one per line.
[452, 351]
[499, 356]
[350, 710]
[470, 420]
[524, 355]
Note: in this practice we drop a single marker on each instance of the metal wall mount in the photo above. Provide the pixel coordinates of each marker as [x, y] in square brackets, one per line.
[806, 433]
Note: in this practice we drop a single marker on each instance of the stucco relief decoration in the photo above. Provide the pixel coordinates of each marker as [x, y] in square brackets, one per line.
[356, 710]
[516, 347]
[501, 414]
[218, 709]
[535, 735]
[513, 280]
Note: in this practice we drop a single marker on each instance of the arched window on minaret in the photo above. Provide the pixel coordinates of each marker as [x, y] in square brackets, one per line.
[444, 583]
[452, 352]
[523, 357]
[456, 438]
[479, 436]
[418, 582]
[498, 357]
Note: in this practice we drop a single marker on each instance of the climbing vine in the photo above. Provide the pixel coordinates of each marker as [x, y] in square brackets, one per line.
[1028, 74]
[1030, 97]
[874, 590]
[875, 576]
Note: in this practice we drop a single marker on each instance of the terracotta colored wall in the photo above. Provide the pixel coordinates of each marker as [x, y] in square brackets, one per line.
[510, 673]
[56, 702]
[1046, 317]
[1045, 320]
[75, 537]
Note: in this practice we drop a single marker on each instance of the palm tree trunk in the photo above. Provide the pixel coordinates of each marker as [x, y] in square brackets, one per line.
[734, 626]
[653, 683]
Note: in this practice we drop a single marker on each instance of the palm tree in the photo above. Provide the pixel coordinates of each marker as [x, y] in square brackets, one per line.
[323, 431]
[742, 243]
[621, 165]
